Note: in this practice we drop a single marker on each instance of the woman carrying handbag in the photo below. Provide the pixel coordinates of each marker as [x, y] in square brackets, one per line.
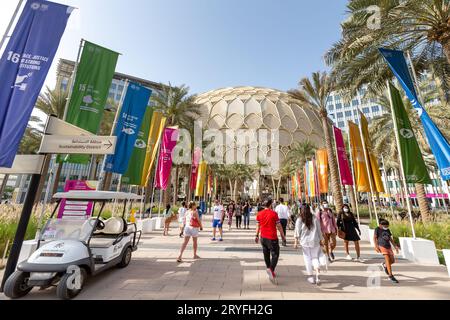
[348, 231]
[193, 225]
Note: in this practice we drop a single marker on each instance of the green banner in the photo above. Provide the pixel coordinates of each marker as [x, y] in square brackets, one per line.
[90, 91]
[133, 176]
[413, 163]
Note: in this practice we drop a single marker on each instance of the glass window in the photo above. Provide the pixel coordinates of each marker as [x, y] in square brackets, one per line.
[337, 98]
[366, 110]
[111, 95]
[331, 107]
[331, 116]
[355, 103]
[338, 106]
[330, 99]
[346, 105]
[340, 115]
[113, 86]
[375, 109]
[348, 114]
[341, 124]
[120, 89]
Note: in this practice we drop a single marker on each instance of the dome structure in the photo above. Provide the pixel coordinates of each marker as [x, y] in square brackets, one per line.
[254, 108]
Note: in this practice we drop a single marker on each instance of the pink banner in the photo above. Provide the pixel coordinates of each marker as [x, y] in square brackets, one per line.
[195, 163]
[346, 174]
[76, 209]
[169, 142]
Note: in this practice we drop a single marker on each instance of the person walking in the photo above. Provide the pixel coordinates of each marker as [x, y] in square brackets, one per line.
[169, 217]
[309, 234]
[181, 214]
[266, 234]
[218, 217]
[238, 215]
[383, 244]
[348, 225]
[193, 225]
[230, 213]
[283, 214]
[329, 229]
[247, 210]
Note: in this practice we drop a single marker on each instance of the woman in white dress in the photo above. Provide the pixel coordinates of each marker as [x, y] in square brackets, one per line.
[192, 226]
[309, 235]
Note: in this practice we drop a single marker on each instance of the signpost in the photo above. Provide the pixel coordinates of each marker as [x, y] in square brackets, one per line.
[78, 145]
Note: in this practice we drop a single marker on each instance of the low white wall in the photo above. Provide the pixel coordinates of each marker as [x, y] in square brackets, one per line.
[447, 259]
[420, 251]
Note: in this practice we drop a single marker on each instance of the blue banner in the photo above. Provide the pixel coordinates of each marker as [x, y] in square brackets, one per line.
[127, 128]
[438, 144]
[24, 66]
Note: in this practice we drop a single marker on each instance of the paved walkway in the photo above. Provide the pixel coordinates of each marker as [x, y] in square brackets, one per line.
[234, 269]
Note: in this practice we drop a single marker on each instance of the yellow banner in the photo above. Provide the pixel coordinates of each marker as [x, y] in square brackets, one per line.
[322, 168]
[156, 129]
[201, 179]
[293, 186]
[312, 179]
[374, 167]
[358, 158]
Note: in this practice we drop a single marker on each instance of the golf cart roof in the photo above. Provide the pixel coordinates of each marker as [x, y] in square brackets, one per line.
[96, 195]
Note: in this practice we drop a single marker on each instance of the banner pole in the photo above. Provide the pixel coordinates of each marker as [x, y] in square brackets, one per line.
[405, 186]
[354, 179]
[10, 24]
[368, 167]
[387, 185]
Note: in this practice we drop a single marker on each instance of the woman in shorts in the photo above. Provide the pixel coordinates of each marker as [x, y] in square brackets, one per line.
[192, 226]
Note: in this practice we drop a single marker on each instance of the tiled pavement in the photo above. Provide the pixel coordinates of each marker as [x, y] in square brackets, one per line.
[234, 269]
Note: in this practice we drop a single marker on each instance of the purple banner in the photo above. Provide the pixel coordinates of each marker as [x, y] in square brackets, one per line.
[346, 174]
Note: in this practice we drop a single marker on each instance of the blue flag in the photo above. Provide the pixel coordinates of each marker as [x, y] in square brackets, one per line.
[24, 66]
[128, 126]
[438, 144]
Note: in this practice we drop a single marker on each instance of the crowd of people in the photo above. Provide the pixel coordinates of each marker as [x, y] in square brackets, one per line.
[316, 229]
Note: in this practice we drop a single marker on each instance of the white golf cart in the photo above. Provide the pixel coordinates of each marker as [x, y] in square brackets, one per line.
[70, 249]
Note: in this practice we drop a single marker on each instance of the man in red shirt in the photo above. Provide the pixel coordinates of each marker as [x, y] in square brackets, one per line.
[268, 223]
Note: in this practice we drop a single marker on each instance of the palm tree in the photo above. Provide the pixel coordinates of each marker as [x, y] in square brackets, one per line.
[314, 93]
[419, 26]
[180, 109]
[381, 132]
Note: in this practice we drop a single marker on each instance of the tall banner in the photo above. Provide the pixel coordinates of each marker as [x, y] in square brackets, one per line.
[312, 178]
[358, 158]
[133, 176]
[372, 159]
[306, 179]
[154, 137]
[293, 186]
[165, 162]
[413, 163]
[196, 158]
[438, 144]
[24, 66]
[201, 179]
[344, 166]
[299, 185]
[127, 129]
[322, 170]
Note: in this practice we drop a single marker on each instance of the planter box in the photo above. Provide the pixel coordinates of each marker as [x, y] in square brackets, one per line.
[139, 224]
[420, 251]
[447, 259]
[364, 233]
[371, 234]
[159, 223]
[148, 225]
[28, 248]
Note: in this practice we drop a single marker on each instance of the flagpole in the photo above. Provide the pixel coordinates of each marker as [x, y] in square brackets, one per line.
[354, 179]
[387, 185]
[402, 173]
[113, 129]
[368, 167]
[11, 22]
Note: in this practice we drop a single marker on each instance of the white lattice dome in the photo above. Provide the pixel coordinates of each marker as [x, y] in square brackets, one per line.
[261, 108]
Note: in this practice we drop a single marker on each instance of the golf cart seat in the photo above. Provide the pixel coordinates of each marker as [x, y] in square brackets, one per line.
[113, 227]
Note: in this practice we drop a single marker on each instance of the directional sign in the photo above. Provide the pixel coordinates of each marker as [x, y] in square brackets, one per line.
[56, 126]
[25, 165]
[78, 145]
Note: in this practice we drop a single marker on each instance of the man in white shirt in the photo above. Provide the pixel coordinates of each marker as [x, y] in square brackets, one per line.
[283, 214]
[218, 217]
[181, 215]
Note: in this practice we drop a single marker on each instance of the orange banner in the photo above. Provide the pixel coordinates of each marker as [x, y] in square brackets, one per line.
[322, 168]
[358, 159]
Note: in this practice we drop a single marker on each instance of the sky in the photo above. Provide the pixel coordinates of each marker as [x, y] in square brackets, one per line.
[205, 44]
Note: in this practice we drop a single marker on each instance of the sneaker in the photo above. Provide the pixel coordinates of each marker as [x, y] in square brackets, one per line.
[349, 258]
[311, 280]
[332, 256]
[220, 239]
[393, 280]
[213, 239]
[383, 265]
[330, 260]
[359, 259]
[272, 276]
[317, 279]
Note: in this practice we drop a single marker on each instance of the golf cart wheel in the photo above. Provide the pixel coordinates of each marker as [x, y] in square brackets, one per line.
[126, 258]
[67, 286]
[17, 285]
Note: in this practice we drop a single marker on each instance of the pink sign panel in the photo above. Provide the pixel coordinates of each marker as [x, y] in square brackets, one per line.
[76, 209]
[346, 175]
[170, 139]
